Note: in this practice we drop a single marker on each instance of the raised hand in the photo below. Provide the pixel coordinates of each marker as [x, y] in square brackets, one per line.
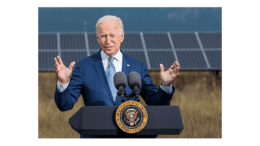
[62, 71]
[168, 76]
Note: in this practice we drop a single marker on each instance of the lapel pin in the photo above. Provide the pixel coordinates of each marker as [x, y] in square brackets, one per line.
[128, 65]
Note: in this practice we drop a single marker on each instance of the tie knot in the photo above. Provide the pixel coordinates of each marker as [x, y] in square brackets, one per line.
[111, 59]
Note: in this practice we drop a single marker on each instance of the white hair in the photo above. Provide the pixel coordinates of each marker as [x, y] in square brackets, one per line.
[110, 18]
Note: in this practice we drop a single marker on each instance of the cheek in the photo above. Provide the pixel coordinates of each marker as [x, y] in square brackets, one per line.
[101, 42]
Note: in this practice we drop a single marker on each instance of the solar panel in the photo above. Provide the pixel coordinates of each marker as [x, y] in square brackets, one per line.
[157, 40]
[139, 55]
[47, 41]
[215, 59]
[132, 41]
[210, 40]
[92, 40]
[68, 57]
[191, 60]
[46, 60]
[72, 41]
[186, 46]
[94, 51]
[184, 41]
[161, 57]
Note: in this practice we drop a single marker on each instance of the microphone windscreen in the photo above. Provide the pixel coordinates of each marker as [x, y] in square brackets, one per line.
[134, 79]
[120, 80]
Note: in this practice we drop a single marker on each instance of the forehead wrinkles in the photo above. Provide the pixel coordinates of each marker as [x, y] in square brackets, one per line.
[109, 27]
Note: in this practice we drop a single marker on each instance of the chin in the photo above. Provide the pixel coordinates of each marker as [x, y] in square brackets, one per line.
[109, 53]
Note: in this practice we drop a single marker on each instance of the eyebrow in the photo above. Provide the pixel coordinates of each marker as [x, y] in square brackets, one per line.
[107, 34]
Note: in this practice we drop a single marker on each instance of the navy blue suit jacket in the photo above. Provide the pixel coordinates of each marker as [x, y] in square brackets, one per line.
[89, 79]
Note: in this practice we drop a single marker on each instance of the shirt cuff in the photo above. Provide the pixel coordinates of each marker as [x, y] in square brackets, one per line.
[61, 87]
[167, 89]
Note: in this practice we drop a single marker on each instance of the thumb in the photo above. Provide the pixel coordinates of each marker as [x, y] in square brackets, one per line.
[161, 68]
[71, 65]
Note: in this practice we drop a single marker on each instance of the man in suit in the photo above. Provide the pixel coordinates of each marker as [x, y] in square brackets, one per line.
[92, 75]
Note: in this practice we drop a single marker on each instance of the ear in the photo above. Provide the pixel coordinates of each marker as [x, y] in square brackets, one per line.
[98, 38]
[122, 36]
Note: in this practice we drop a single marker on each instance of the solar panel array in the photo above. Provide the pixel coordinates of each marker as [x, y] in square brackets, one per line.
[193, 50]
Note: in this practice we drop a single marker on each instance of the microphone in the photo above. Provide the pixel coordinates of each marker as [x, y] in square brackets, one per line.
[120, 83]
[134, 82]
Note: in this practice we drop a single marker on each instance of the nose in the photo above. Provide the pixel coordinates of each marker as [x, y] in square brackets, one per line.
[108, 39]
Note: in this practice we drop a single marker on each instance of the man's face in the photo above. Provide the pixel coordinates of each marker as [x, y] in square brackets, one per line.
[109, 37]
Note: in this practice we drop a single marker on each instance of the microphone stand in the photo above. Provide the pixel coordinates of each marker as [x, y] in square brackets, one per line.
[136, 93]
[122, 93]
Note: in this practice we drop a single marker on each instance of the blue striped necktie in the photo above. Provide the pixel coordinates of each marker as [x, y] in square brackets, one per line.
[110, 72]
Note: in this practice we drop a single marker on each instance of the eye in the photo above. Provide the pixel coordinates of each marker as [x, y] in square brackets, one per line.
[103, 36]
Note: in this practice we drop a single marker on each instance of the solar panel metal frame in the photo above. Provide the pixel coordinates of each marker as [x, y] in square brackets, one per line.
[51, 61]
[90, 51]
[166, 66]
[71, 33]
[172, 33]
[153, 35]
[215, 50]
[182, 68]
[205, 47]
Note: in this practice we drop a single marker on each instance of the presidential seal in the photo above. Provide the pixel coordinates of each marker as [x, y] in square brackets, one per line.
[131, 117]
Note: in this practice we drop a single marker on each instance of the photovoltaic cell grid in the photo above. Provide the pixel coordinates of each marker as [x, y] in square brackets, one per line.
[157, 41]
[72, 41]
[92, 40]
[191, 60]
[68, 57]
[139, 55]
[215, 59]
[157, 57]
[92, 52]
[184, 41]
[211, 40]
[47, 41]
[132, 41]
[46, 60]
[185, 44]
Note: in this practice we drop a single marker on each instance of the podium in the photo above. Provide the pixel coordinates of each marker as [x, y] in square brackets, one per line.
[100, 120]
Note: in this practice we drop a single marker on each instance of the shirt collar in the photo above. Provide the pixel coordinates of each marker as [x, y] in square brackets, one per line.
[118, 56]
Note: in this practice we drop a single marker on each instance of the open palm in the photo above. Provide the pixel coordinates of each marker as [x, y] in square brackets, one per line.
[168, 76]
[62, 71]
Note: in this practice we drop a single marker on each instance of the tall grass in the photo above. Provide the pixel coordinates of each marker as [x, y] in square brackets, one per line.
[198, 94]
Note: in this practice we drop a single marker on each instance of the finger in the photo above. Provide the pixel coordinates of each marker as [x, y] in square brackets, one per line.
[57, 68]
[59, 60]
[161, 67]
[171, 71]
[71, 65]
[176, 64]
[176, 70]
[173, 65]
[55, 60]
[175, 75]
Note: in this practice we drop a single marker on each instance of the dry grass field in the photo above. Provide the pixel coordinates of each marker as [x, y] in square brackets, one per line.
[198, 94]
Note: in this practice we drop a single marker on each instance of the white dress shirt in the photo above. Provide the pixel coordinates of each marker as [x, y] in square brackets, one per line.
[118, 61]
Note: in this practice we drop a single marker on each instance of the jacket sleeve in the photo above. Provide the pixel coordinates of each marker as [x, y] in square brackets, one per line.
[151, 94]
[65, 100]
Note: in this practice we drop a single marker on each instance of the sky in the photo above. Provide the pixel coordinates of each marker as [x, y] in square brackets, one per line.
[79, 19]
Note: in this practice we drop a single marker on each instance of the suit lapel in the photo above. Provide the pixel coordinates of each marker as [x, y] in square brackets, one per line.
[99, 68]
[126, 66]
